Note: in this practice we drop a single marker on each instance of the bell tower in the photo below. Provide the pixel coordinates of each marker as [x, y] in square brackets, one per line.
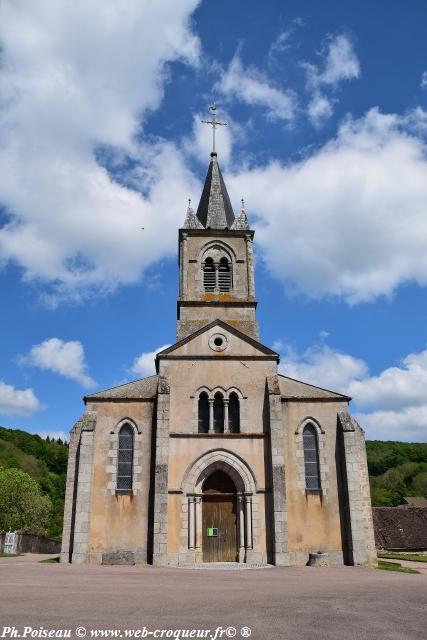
[216, 268]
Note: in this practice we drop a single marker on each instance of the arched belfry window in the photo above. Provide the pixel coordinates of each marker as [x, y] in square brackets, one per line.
[218, 411]
[209, 275]
[125, 458]
[217, 268]
[234, 413]
[311, 458]
[203, 413]
[224, 275]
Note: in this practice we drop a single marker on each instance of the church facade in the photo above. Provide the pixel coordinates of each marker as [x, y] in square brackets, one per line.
[217, 457]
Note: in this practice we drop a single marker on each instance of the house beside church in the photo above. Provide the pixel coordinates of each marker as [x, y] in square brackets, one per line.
[217, 457]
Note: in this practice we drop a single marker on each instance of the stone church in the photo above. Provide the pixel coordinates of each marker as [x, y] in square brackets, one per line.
[217, 457]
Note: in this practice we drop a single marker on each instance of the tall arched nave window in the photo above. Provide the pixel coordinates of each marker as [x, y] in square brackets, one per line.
[125, 459]
[311, 457]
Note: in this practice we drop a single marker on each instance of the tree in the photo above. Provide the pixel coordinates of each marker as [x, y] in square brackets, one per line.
[22, 505]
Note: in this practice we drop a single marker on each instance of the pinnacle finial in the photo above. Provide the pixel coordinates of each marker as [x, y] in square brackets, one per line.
[214, 123]
[243, 206]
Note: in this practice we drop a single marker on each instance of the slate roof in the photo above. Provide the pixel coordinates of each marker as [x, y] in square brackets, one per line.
[397, 528]
[139, 389]
[295, 389]
[413, 501]
[215, 210]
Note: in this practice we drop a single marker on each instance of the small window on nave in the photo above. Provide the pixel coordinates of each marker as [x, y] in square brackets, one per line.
[311, 458]
[125, 459]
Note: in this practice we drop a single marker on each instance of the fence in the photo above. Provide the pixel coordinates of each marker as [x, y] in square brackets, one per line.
[28, 543]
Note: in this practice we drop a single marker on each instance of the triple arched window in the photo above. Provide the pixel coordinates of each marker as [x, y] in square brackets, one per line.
[311, 458]
[125, 459]
[218, 413]
[217, 276]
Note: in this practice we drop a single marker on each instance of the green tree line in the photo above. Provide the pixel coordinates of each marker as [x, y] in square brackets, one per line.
[396, 469]
[43, 466]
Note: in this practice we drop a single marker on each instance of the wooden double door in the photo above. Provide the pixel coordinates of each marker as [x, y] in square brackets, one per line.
[219, 528]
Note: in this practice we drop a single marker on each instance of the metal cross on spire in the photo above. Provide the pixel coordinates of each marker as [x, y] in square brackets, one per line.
[214, 122]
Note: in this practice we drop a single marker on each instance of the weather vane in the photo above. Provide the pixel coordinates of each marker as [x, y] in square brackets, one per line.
[214, 122]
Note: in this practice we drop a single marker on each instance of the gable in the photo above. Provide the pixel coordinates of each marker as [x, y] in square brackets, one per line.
[218, 339]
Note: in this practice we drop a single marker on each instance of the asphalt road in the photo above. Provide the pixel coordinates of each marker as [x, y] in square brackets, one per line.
[291, 603]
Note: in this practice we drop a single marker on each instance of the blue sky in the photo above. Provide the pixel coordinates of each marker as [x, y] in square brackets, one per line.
[100, 135]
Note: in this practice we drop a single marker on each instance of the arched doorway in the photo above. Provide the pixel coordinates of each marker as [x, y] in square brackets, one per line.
[219, 506]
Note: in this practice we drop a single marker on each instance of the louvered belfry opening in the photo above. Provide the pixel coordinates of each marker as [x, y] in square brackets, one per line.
[125, 459]
[203, 416]
[217, 276]
[209, 275]
[224, 275]
[311, 458]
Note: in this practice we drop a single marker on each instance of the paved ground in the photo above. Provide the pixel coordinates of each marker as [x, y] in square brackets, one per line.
[296, 603]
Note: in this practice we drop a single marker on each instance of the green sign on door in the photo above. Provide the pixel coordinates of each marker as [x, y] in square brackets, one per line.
[212, 532]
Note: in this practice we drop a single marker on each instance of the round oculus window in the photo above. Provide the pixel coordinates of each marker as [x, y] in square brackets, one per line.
[218, 342]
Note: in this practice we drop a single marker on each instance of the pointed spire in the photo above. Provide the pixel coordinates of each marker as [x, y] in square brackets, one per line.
[241, 222]
[191, 221]
[215, 210]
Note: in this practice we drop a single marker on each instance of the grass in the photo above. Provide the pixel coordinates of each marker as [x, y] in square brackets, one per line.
[415, 557]
[8, 555]
[394, 566]
[50, 560]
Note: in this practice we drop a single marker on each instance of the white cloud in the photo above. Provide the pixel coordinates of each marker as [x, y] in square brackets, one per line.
[423, 84]
[352, 215]
[280, 44]
[390, 406]
[339, 63]
[77, 81]
[319, 108]
[409, 424]
[17, 401]
[395, 387]
[251, 86]
[65, 358]
[143, 365]
[324, 367]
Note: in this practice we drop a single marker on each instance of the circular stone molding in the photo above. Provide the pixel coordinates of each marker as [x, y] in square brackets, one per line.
[218, 342]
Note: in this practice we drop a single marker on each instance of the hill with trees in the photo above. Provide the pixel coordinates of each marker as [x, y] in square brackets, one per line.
[45, 462]
[396, 469]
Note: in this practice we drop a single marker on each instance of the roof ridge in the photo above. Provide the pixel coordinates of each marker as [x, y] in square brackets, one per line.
[118, 386]
[308, 384]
